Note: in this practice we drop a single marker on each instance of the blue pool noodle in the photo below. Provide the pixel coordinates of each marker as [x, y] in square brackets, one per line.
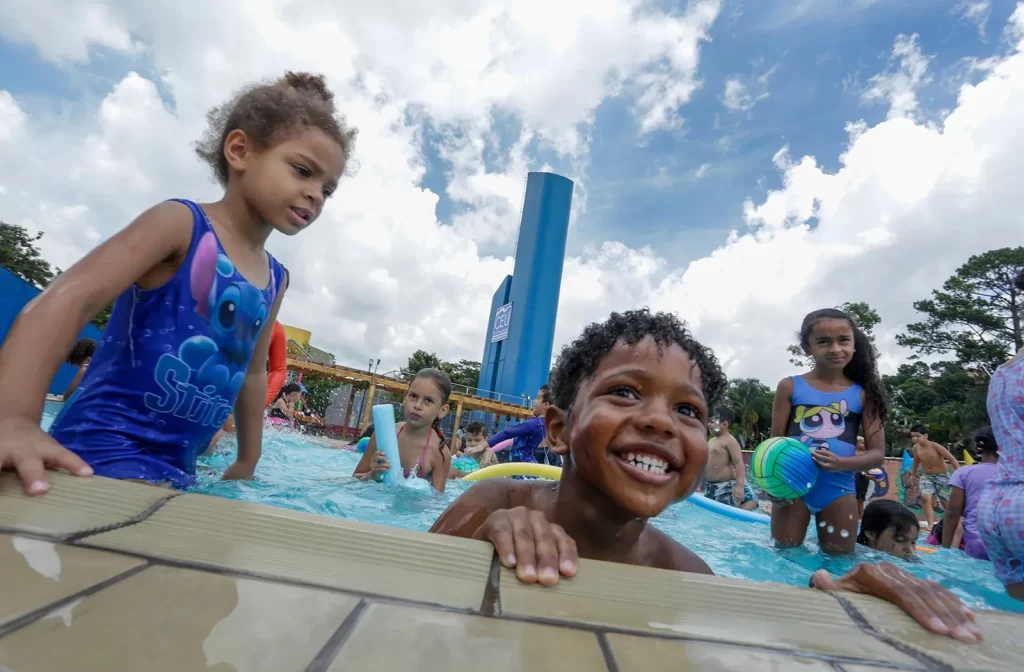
[387, 440]
[755, 516]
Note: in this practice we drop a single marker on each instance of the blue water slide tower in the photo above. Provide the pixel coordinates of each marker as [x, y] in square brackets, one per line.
[521, 325]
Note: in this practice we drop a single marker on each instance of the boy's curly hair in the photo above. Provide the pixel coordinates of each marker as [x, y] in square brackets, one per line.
[581, 358]
[84, 349]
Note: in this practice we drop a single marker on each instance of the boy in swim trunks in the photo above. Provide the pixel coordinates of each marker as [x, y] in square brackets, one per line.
[630, 403]
[931, 458]
[725, 473]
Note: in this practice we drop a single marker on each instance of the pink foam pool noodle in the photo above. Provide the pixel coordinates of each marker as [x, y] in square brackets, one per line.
[504, 445]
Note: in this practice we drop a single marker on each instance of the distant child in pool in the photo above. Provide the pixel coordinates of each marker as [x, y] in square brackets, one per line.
[420, 441]
[80, 356]
[194, 289]
[631, 400]
[890, 527]
[475, 445]
[282, 411]
[841, 398]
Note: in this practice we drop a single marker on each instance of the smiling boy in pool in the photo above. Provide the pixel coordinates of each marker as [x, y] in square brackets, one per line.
[631, 401]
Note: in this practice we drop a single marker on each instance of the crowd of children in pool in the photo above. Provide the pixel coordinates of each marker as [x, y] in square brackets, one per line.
[627, 407]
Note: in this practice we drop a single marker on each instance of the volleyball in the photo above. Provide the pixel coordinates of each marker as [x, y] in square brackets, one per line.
[784, 468]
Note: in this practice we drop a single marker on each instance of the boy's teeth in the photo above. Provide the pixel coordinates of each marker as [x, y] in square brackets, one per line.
[649, 463]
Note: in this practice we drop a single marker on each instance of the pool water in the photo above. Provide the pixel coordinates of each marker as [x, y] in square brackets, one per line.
[308, 474]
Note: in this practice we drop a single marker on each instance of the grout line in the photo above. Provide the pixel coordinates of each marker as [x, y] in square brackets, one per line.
[555, 622]
[138, 518]
[57, 537]
[606, 651]
[334, 644]
[35, 615]
[930, 663]
[491, 603]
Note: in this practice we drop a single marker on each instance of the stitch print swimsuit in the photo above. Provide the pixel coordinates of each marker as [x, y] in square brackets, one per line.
[169, 368]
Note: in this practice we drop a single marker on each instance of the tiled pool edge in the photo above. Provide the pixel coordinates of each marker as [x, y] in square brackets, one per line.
[489, 605]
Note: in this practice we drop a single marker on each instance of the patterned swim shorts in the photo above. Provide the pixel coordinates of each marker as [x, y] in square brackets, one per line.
[721, 492]
[934, 484]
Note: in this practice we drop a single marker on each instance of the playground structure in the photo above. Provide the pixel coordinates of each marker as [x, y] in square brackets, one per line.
[372, 382]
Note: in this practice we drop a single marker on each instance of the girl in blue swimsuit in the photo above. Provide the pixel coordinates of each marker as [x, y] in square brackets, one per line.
[193, 289]
[841, 398]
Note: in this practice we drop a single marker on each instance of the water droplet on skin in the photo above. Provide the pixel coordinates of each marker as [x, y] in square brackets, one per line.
[844, 534]
[851, 516]
[831, 529]
[822, 524]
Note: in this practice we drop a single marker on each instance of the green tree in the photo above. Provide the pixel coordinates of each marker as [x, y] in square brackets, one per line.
[19, 255]
[751, 403]
[421, 359]
[978, 315]
[318, 392]
[866, 318]
[464, 374]
[946, 397]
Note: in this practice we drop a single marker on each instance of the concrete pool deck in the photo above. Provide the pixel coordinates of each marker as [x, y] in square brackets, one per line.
[106, 575]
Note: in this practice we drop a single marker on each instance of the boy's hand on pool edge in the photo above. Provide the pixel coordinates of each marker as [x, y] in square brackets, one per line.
[28, 450]
[525, 539]
[935, 608]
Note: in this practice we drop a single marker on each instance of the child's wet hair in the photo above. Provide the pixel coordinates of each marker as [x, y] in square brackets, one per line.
[270, 110]
[985, 440]
[83, 350]
[862, 369]
[919, 429]
[288, 389]
[881, 514]
[581, 358]
[726, 414]
[544, 393]
[444, 383]
[476, 429]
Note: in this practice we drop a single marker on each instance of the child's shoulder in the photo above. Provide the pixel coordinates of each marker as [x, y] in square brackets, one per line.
[663, 552]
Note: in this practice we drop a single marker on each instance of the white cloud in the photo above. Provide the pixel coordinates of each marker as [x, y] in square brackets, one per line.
[899, 83]
[743, 93]
[977, 12]
[908, 204]
[379, 276]
[62, 31]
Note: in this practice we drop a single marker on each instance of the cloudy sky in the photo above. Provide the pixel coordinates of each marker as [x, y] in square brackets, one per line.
[740, 163]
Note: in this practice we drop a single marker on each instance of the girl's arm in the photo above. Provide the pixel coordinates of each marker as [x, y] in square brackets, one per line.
[362, 471]
[782, 407]
[874, 443]
[48, 326]
[250, 403]
[954, 513]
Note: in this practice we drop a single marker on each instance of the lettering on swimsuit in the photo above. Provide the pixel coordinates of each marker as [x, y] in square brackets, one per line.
[181, 398]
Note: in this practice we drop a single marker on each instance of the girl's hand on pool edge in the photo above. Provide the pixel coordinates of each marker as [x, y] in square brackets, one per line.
[525, 539]
[928, 603]
[28, 450]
